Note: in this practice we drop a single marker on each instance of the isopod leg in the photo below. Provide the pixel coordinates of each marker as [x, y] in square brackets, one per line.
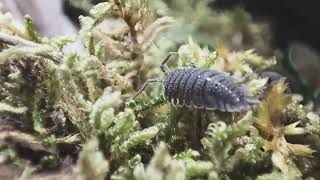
[145, 85]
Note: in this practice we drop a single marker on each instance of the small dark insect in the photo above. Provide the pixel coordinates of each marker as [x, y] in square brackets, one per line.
[273, 78]
[203, 89]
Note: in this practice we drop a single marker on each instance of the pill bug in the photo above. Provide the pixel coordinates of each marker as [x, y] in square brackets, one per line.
[274, 77]
[203, 89]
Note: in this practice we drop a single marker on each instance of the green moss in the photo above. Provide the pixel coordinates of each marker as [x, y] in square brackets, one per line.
[219, 141]
[31, 30]
[7, 108]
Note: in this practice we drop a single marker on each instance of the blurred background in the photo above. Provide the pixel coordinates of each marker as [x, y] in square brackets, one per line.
[287, 29]
[295, 28]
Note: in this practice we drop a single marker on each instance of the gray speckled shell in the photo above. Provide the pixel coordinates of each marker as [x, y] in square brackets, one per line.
[206, 89]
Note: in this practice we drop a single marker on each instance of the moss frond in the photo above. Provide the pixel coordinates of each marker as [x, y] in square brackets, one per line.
[220, 138]
[92, 164]
[8, 108]
[270, 113]
[161, 166]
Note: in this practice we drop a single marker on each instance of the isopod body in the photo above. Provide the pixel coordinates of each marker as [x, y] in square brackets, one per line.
[206, 89]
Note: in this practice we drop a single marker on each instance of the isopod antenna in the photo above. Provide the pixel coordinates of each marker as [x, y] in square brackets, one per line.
[164, 68]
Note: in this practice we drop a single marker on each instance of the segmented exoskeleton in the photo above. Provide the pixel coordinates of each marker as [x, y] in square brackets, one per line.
[204, 89]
